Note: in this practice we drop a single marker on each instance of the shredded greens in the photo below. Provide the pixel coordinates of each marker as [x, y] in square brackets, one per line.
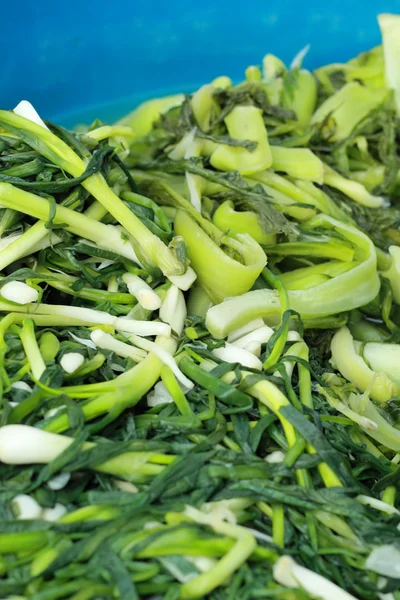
[200, 342]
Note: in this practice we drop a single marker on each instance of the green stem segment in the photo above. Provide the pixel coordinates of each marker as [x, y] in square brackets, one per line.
[32, 350]
[284, 300]
[205, 583]
[129, 388]
[105, 236]
[60, 154]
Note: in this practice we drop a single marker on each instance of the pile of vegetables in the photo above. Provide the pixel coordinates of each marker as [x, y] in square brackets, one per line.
[200, 342]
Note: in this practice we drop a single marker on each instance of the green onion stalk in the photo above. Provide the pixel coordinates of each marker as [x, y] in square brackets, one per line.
[244, 546]
[23, 445]
[38, 236]
[60, 154]
[270, 395]
[64, 283]
[65, 315]
[31, 348]
[105, 236]
[122, 393]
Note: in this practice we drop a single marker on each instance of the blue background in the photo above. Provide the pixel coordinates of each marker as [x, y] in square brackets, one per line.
[77, 60]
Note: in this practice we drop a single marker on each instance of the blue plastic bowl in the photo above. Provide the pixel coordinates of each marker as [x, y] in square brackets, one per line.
[79, 60]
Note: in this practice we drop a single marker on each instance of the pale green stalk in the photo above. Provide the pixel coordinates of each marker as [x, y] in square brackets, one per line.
[169, 380]
[142, 118]
[300, 163]
[28, 541]
[363, 422]
[303, 99]
[38, 236]
[246, 123]
[49, 345]
[45, 320]
[270, 395]
[231, 221]
[383, 358]
[306, 277]
[26, 244]
[290, 193]
[278, 525]
[392, 273]
[55, 150]
[105, 236]
[337, 525]
[389, 495]
[385, 434]
[353, 189]
[96, 211]
[300, 349]
[244, 546]
[129, 388]
[107, 131]
[31, 348]
[347, 108]
[354, 368]
[273, 181]
[27, 445]
[345, 292]
[198, 302]
[92, 512]
[218, 273]
[42, 560]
